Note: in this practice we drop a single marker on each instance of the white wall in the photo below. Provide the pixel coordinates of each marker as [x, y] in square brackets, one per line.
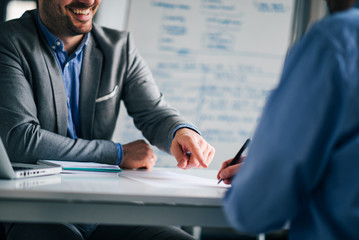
[15, 9]
[113, 14]
[318, 10]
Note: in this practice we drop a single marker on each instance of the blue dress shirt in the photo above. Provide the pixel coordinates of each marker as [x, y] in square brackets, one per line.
[71, 69]
[302, 166]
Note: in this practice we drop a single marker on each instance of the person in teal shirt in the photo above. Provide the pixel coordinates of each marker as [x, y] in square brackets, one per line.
[302, 165]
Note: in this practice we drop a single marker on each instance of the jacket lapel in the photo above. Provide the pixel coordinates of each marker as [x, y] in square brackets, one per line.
[57, 84]
[58, 90]
[89, 85]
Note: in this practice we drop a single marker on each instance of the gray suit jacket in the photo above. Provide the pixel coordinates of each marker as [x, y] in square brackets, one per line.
[33, 111]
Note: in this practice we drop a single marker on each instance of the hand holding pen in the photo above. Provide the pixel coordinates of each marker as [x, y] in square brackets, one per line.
[230, 163]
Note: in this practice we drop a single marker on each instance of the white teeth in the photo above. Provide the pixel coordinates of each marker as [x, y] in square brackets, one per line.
[81, 11]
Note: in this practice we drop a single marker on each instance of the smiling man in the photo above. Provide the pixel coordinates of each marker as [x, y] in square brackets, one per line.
[62, 80]
[68, 20]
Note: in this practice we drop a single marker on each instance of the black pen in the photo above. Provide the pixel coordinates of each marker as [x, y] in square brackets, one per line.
[237, 158]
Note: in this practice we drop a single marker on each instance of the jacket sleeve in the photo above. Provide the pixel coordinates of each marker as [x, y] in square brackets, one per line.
[146, 104]
[292, 142]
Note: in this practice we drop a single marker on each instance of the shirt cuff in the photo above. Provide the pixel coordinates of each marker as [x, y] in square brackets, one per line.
[119, 154]
[184, 126]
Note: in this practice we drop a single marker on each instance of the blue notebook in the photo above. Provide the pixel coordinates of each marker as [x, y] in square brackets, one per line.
[84, 166]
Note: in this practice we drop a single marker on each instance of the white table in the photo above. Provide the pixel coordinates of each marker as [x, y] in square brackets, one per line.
[109, 198]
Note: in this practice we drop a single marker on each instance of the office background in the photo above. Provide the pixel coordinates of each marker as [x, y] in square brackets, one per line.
[214, 60]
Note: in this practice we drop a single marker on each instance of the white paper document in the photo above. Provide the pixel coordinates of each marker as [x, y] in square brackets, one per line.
[170, 179]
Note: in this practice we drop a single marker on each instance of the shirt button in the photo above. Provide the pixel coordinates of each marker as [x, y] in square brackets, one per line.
[58, 43]
[53, 47]
[67, 65]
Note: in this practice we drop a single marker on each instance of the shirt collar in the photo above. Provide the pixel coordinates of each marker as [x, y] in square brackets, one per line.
[55, 43]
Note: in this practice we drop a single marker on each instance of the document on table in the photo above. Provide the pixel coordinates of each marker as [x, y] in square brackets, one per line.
[84, 166]
[171, 179]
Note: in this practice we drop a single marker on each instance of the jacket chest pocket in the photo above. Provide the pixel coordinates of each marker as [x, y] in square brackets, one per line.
[108, 96]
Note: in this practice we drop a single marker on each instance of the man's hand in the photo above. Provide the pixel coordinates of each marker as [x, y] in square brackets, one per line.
[191, 150]
[227, 172]
[138, 154]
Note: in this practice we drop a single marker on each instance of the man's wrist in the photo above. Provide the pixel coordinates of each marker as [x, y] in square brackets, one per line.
[184, 126]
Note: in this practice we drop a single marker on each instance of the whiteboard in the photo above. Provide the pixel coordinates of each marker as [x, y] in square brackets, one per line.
[216, 61]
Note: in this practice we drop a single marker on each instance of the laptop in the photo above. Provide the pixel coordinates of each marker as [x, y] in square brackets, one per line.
[10, 170]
